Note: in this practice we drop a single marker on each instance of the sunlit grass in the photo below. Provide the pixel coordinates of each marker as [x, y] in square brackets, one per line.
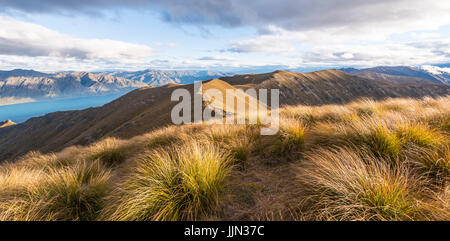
[345, 185]
[421, 135]
[68, 193]
[366, 160]
[178, 183]
[109, 151]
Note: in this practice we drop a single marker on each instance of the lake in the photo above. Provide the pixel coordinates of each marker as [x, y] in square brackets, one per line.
[24, 111]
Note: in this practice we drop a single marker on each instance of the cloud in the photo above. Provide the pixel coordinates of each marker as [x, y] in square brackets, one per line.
[27, 39]
[438, 47]
[91, 7]
[306, 32]
[349, 15]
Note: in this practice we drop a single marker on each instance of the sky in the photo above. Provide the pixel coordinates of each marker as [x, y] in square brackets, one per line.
[224, 35]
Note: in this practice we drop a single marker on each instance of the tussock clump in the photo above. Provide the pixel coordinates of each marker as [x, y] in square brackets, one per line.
[384, 141]
[179, 183]
[110, 151]
[442, 122]
[69, 193]
[240, 150]
[438, 208]
[227, 133]
[435, 161]
[367, 107]
[292, 133]
[345, 185]
[238, 140]
[164, 137]
[50, 161]
[313, 114]
[77, 192]
[371, 132]
[421, 135]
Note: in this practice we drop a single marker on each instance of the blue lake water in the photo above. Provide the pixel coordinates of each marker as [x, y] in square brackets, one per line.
[24, 111]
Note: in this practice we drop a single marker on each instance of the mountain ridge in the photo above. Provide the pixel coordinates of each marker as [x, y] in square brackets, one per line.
[154, 77]
[424, 73]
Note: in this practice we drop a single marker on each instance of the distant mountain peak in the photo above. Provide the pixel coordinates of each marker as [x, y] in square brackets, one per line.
[421, 74]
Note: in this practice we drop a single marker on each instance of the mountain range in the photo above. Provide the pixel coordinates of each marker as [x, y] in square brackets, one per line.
[156, 78]
[423, 74]
[28, 85]
[17, 85]
[149, 108]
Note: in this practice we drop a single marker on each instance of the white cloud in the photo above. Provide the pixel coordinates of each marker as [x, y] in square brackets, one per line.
[290, 33]
[331, 47]
[28, 39]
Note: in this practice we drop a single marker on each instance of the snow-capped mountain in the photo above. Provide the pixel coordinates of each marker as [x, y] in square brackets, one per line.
[440, 73]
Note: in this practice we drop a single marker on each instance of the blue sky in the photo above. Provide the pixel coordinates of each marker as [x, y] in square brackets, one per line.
[228, 35]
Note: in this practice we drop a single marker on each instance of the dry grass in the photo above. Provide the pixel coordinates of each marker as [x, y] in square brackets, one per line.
[181, 183]
[366, 160]
[73, 192]
[345, 185]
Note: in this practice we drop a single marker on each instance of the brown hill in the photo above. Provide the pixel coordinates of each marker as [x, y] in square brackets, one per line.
[393, 79]
[149, 108]
[332, 87]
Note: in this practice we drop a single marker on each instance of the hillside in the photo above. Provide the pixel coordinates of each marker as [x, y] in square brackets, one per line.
[332, 86]
[148, 108]
[421, 74]
[366, 160]
[392, 79]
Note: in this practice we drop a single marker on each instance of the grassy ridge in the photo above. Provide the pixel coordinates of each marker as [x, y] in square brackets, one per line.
[367, 160]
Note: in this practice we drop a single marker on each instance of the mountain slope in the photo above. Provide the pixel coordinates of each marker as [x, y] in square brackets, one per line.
[424, 73]
[149, 108]
[328, 163]
[393, 79]
[331, 86]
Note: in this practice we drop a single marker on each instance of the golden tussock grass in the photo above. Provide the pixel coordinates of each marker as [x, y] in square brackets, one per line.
[72, 192]
[181, 183]
[366, 160]
[345, 185]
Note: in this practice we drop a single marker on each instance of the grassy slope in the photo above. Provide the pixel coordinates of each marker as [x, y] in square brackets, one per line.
[366, 160]
[146, 109]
